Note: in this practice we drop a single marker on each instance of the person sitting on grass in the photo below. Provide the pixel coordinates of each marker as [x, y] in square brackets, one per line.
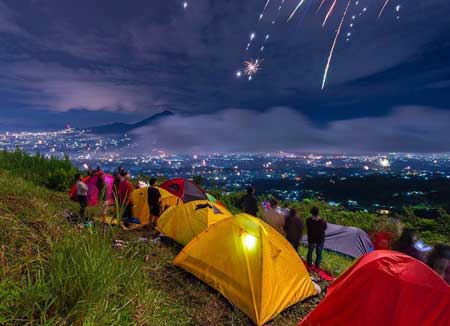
[316, 227]
[293, 228]
[153, 198]
[82, 190]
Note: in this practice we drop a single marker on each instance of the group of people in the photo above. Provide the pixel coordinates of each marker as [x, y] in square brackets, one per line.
[122, 193]
[82, 189]
[290, 225]
[438, 259]
[286, 222]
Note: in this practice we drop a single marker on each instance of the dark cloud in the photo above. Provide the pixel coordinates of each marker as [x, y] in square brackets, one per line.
[138, 58]
[406, 129]
[8, 23]
[60, 88]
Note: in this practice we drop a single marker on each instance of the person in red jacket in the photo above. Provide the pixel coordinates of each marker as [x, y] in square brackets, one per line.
[124, 194]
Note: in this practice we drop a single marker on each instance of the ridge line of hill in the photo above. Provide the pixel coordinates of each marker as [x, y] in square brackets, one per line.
[122, 128]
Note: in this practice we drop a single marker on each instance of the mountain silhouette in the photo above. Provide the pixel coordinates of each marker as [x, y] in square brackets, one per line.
[123, 128]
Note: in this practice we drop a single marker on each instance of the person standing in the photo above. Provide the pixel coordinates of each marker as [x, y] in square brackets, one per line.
[102, 190]
[154, 200]
[101, 184]
[316, 227]
[118, 178]
[274, 216]
[250, 202]
[293, 228]
[125, 203]
[82, 190]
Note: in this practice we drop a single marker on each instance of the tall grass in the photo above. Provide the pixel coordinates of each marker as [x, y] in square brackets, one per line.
[55, 274]
[84, 282]
[53, 173]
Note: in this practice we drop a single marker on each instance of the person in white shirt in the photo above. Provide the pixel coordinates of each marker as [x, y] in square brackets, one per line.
[82, 190]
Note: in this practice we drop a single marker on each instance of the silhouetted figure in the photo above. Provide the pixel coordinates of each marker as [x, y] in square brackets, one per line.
[154, 199]
[439, 261]
[405, 244]
[293, 228]
[316, 227]
[249, 202]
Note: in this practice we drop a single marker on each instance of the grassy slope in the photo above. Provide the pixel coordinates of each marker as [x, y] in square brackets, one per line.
[51, 273]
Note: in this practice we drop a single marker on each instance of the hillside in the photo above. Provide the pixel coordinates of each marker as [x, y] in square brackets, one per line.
[53, 272]
[123, 128]
[74, 276]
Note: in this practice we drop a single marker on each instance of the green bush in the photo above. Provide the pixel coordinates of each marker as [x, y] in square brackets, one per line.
[231, 200]
[53, 173]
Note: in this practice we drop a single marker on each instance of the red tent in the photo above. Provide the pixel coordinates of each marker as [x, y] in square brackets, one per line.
[382, 240]
[384, 288]
[185, 189]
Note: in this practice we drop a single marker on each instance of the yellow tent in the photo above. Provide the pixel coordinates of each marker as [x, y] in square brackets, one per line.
[250, 264]
[140, 208]
[183, 222]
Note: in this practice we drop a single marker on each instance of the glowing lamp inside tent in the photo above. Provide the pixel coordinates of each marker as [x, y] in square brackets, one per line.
[249, 241]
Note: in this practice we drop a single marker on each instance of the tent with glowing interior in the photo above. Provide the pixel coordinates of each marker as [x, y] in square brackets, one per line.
[94, 192]
[250, 264]
[184, 189]
[141, 210]
[183, 222]
[384, 288]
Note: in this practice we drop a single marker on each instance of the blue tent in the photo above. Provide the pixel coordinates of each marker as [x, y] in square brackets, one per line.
[350, 241]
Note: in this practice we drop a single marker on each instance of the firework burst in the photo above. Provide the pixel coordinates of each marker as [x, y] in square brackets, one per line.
[252, 67]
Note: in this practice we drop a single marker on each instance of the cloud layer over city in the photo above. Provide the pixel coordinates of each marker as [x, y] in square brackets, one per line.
[420, 129]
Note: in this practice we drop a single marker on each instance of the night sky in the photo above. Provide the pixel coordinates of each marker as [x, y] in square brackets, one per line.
[92, 62]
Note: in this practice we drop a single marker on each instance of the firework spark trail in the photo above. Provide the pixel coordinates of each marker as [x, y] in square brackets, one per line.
[382, 9]
[252, 67]
[330, 56]
[295, 10]
[276, 17]
[320, 6]
[261, 15]
[330, 11]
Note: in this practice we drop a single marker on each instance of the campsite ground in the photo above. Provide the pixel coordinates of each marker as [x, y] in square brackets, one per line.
[54, 273]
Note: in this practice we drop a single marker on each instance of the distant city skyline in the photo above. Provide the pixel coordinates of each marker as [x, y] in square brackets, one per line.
[88, 63]
[376, 182]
